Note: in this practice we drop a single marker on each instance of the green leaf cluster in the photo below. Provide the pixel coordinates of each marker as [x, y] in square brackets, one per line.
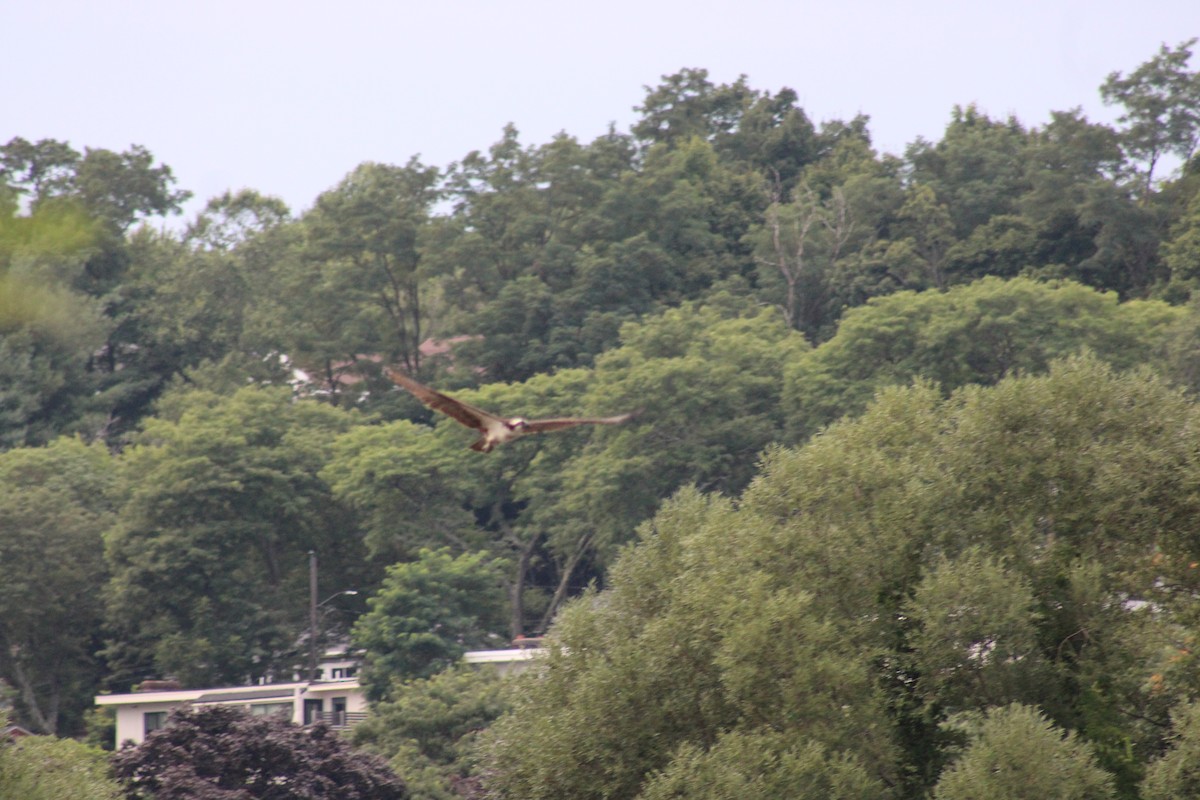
[426, 614]
[429, 730]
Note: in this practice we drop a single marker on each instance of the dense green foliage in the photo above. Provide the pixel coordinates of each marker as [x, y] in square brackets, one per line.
[426, 614]
[428, 731]
[972, 334]
[223, 493]
[45, 768]
[55, 505]
[1018, 754]
[859, 590]
[877, 590]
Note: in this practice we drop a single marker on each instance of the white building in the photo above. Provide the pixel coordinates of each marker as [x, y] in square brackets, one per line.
[506, 662]
[337, 700]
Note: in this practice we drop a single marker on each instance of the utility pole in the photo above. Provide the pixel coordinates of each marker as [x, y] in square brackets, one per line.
[312, 615]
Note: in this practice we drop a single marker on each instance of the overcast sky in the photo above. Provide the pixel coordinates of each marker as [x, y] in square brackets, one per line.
[287, 97]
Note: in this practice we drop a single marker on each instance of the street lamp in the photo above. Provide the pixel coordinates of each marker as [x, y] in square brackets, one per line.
[313, 605]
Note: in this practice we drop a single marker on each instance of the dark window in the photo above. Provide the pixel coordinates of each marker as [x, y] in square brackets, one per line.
[153, 720]
[271, 710]
[339, 711]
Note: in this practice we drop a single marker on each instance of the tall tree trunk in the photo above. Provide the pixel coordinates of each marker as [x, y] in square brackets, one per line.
[560, 592]
[516, 587]
[42, 720]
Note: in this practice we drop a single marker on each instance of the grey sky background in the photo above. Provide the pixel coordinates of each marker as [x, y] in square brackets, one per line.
[288, 97]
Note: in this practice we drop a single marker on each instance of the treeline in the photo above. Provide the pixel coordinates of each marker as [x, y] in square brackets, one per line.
[186, 415]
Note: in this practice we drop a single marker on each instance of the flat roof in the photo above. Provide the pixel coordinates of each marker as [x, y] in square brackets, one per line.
[234, 694]
[226, 694]
[501, 656]
[185, 695]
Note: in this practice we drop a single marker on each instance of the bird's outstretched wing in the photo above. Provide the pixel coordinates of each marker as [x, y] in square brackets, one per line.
[468, 415]
[557, 423]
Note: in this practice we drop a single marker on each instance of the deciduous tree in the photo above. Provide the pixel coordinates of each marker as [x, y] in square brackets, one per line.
[223, 753]
[430, 728]
[209, 554]
[1161, 98]
[1022, 543]
[46, 768]
[974, 334]
[1020, 754]
[364, 238]
[425, 615]
[55, 504]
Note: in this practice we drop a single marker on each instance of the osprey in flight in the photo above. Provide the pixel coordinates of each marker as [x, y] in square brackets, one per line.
[493, 430]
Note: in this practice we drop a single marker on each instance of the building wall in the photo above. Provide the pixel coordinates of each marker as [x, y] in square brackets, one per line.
[131, 718]
[132, 709]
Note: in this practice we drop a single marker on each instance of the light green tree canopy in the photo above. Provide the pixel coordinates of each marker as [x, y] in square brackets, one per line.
[932, 557]
[974, 334]
[1020, 754]
[1175, 774]
[45, 768]
[429, 730]
[425, 615]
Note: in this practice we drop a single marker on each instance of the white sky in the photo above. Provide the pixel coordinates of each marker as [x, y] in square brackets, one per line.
[287, 96]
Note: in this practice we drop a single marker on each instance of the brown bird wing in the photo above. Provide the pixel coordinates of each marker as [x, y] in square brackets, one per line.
[558, 423]
[455, 409]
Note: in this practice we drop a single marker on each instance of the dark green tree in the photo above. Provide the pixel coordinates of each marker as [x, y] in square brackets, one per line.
[38, 170]
[55, 504]
[208, 559]
[232, 219]
[976, 170]
[687, 105]
[796, 248]
[121, 188]
[1161, 100]
[708, 380]
[360, 284]
[750, 129]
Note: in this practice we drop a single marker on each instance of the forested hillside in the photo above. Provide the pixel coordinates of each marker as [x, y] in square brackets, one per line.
[911, 491]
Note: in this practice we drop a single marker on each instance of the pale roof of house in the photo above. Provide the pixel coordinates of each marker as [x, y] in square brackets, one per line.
[225, 695]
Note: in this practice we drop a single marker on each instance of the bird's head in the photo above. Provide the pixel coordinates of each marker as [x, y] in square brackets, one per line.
[518, 423]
